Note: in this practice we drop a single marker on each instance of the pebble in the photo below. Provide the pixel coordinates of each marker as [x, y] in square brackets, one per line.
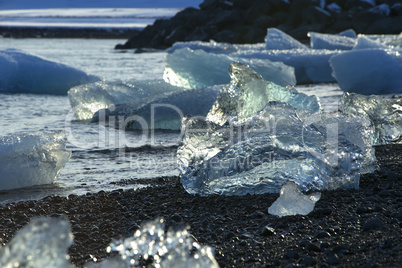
[373, 224]
[322, 234]
[267, 231]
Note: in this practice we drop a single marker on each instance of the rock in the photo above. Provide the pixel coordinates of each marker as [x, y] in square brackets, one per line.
[322, 234]
[309, 261]
[291, 255]
[267, 231]
[373, 224]
[313, 247]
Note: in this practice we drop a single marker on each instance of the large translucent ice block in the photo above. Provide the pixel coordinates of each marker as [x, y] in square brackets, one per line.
[197, 68]
[248, 93]
[368, 71]
[21, 72]
[31, 159]
[164, 111]
[311, 65]
[385, 115]
[293, 202]
[44, 242]
[162, 248]
[279, 144]
[276, 39]
[89, 98]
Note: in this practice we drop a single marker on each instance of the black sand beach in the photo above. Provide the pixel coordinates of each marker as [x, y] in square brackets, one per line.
[358, 228]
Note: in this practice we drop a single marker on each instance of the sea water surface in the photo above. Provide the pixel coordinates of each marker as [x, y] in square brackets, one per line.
[102, 158]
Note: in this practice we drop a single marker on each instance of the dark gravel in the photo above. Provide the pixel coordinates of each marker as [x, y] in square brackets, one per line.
[347, 228]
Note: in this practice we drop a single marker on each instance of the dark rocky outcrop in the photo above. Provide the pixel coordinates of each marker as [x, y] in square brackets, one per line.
[246, 21]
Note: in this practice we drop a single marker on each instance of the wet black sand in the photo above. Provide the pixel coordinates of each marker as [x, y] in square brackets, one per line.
[347, 228]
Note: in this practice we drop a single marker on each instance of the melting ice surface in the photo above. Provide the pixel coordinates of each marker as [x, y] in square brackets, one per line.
[21, 72]
[31, 159]
[166, 248]
[235, 152]
[293, 202]
[89, 98]
[197, 68]
[44, 242]
[385, 115]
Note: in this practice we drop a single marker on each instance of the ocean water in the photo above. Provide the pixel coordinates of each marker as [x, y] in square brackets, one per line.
[102, 158]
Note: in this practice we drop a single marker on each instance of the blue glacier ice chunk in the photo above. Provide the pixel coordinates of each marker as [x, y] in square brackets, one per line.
[32, 159]
[161, 111]
[348, 33]
[385, 115]
[368, 71]
[330, 41]
[21, 72]
[44, 242]
[278, 40]
[260, 154]
[311, 65]
[89, 98]
[248, 93]
[293, 202]
[197, 68]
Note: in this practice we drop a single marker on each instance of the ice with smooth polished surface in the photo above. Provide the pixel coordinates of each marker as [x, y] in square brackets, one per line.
[276, 39]
[89, 98]
[293, 202]
[162, 111]
[368, 71]
[170, 249]
[21, 72]
[277, 145]
[330, 41]
[311, 65]
[197, 68]
[248, 93]
[44, 242]
[31, 159]
[385, 115]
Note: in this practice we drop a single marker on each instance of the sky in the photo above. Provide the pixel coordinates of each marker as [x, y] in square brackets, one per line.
[41, 4]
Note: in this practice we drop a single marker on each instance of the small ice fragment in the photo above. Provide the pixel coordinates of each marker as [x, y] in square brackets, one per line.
[196, 69]
[276, 39]
[31, 159]
[21, 72]
[385, 115]
[348, 33]
[87, 99]
[293, 202]
[44, 242]
[169, 249]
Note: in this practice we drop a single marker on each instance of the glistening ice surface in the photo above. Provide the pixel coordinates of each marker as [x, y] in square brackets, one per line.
[248, 93]
[263, 152]
[90, 98]
[31, 159]
[196, 68]
[385, 115]
[160, 248]
[42, 243]
[239, 149]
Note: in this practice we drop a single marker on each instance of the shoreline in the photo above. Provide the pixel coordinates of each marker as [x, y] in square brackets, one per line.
[67, 32]
[340, 230]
